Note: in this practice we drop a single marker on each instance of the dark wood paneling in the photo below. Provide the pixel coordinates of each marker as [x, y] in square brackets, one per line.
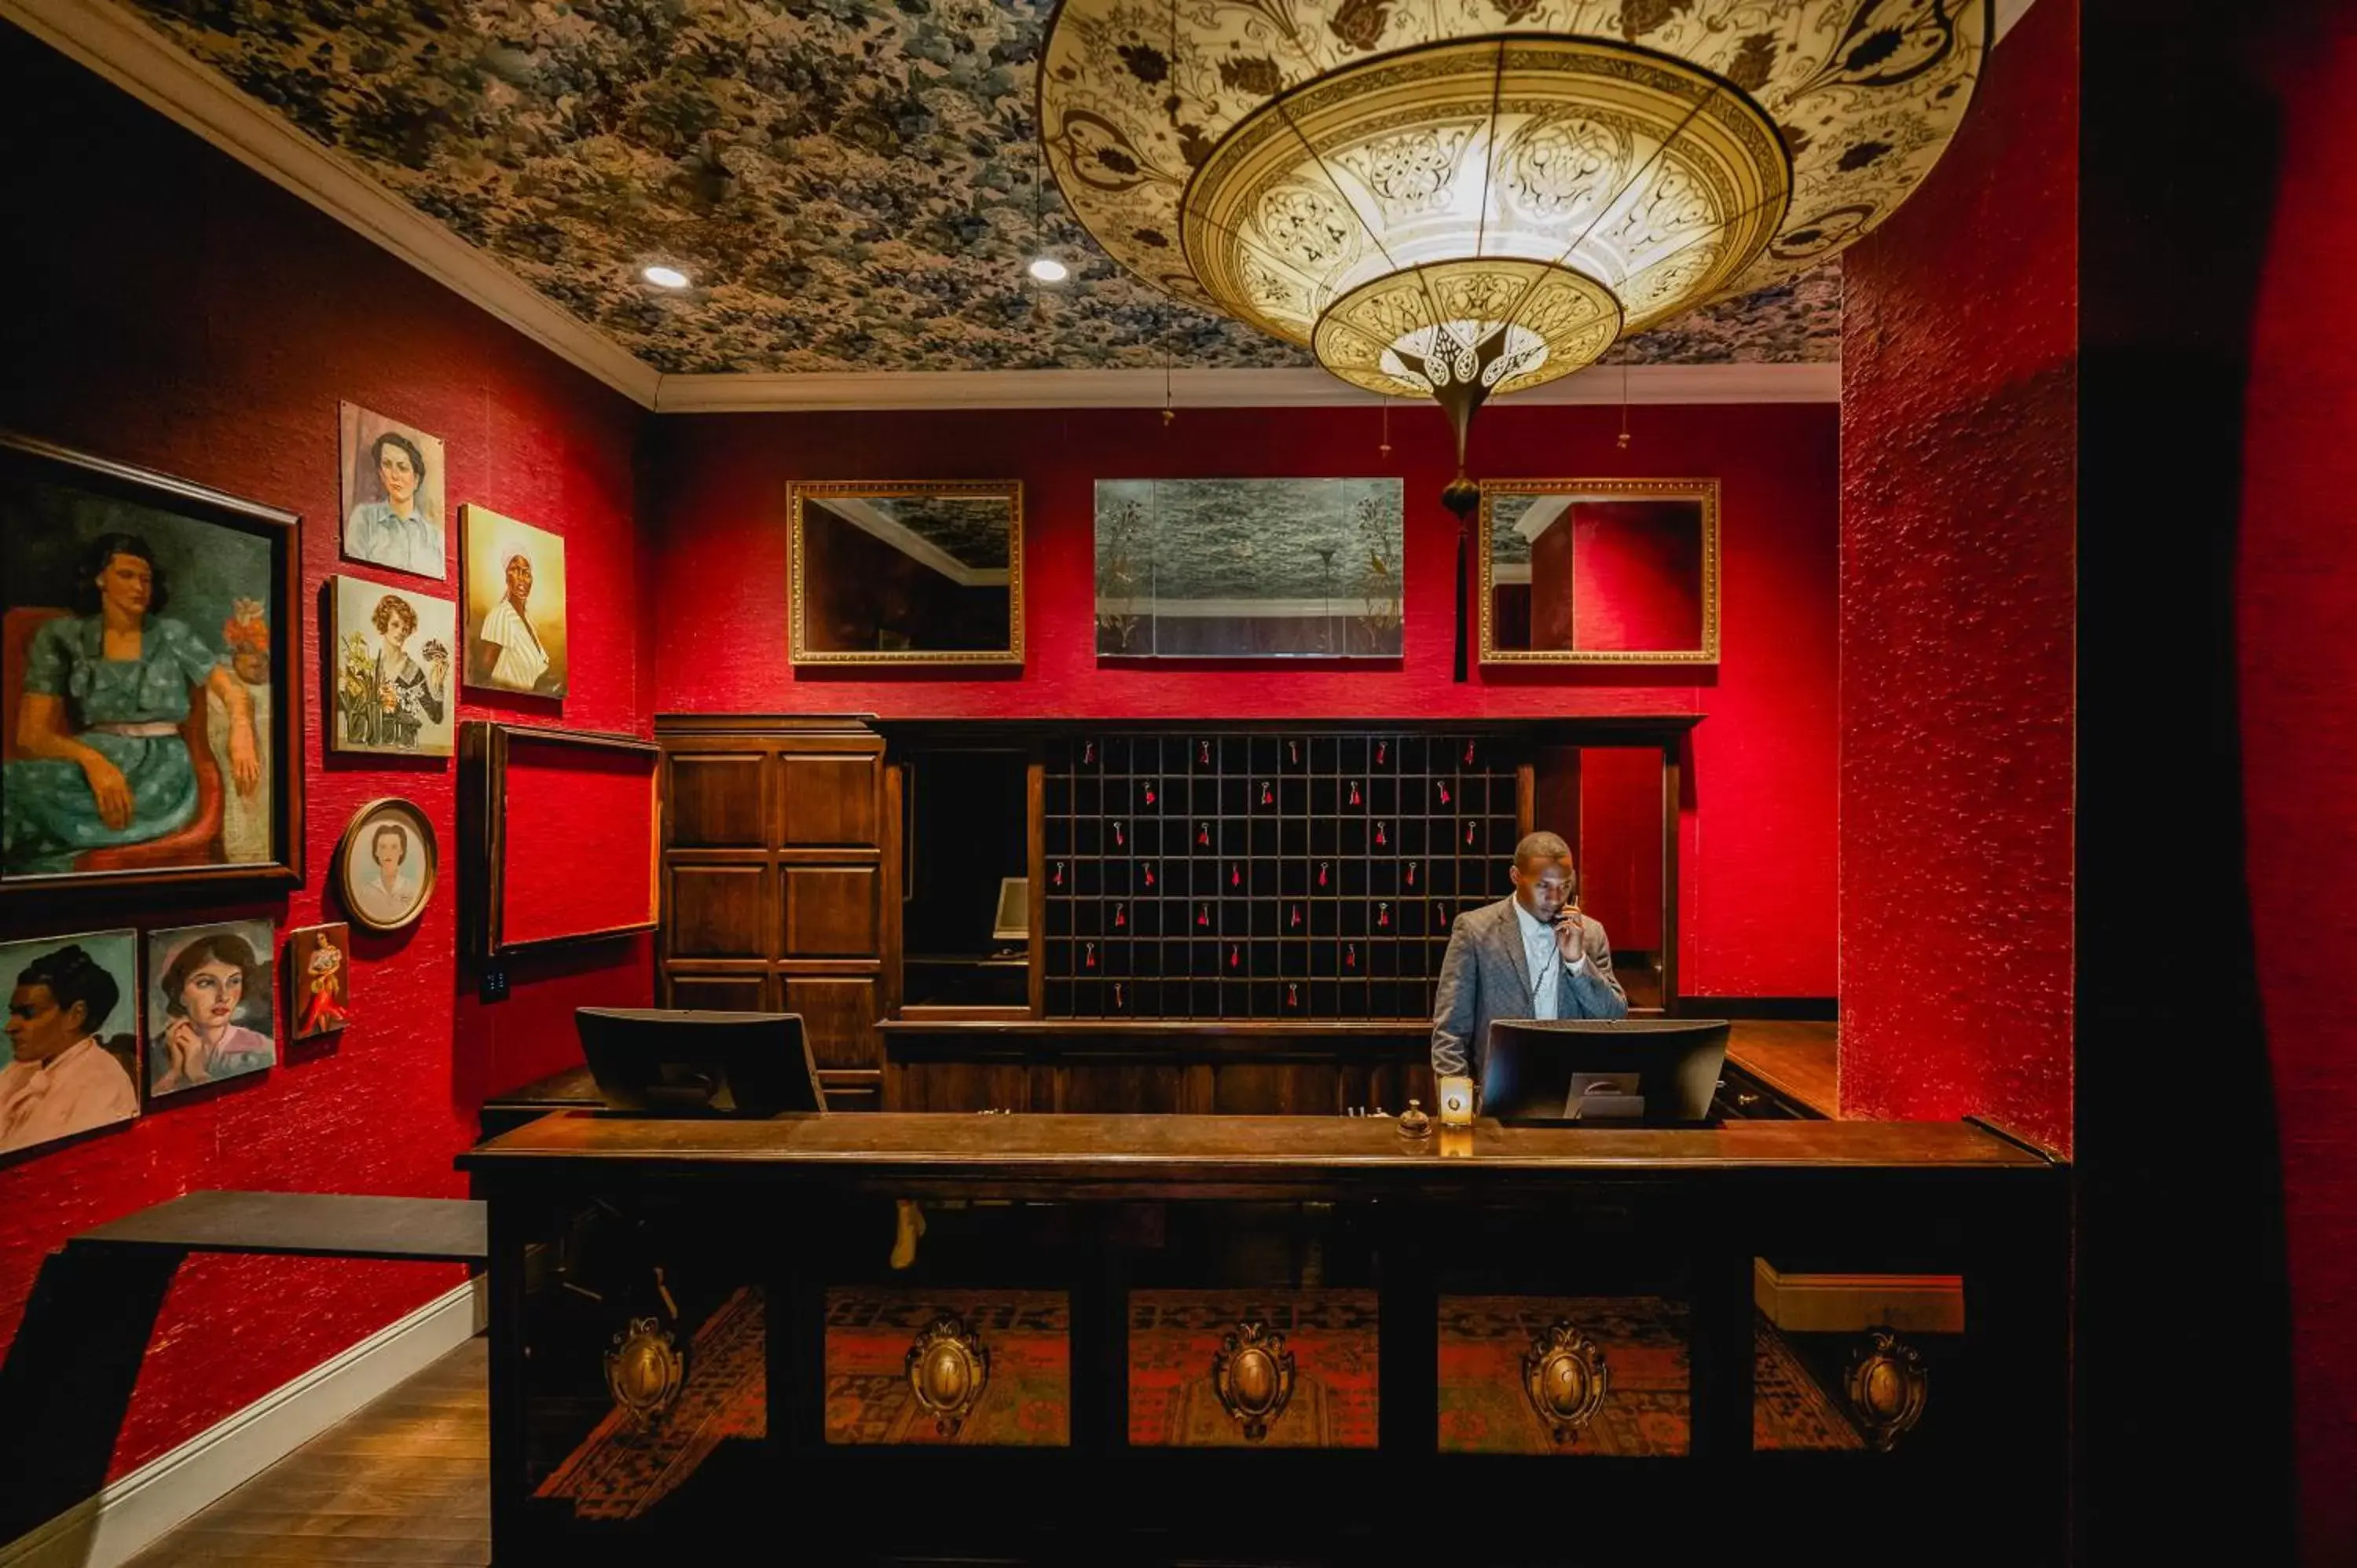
[1275, 1088]
[838, 1017]
[1117, 1088]
[831, 912]
[718, 911]
[720, 993]
[715, 801]
[827, 800]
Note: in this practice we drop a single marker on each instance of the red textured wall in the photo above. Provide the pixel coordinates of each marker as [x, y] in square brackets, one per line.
[2296, 595]
[1957, 612]
[591, 812]
[1620, 842]
[180, 313]
[1758, 834]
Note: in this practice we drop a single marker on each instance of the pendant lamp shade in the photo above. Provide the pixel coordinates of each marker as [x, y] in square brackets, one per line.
[1452, 198]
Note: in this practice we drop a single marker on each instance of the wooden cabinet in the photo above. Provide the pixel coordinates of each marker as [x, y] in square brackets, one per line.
[774, 866]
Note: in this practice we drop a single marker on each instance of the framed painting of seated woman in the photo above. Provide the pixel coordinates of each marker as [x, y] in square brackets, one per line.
[150, 717]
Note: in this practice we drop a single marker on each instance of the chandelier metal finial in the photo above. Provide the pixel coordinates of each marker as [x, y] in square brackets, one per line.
[1465, 199]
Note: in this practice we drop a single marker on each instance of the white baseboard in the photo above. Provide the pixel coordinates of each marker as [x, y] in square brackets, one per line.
[131, 1514]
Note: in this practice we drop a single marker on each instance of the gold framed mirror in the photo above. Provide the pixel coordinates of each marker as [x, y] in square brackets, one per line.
[917, 573]
[1599, 571]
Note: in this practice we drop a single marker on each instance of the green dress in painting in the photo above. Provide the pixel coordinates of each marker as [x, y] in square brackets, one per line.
[50, 814]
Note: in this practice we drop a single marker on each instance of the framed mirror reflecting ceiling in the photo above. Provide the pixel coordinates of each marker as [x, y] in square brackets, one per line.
[918, 573]
[1599, 572]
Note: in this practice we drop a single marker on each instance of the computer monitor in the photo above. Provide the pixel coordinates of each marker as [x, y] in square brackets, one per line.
[1661, 1071]
[1012, 923]
[677, 1062]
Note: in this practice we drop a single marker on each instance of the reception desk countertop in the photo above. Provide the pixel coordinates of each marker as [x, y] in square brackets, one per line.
[1183, 1153]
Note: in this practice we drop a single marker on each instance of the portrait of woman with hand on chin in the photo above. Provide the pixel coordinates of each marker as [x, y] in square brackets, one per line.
[207, 978]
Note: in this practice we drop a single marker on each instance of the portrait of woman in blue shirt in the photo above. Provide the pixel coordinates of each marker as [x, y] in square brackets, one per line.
[399, 531]
[122, 670]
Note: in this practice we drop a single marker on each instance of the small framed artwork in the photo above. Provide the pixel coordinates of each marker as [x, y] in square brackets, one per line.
[515, 605]
[392, 670]
[209, 1004]
[386, 864]
[319, 981]
[393, 493]
[70, 1063]
[150, 726]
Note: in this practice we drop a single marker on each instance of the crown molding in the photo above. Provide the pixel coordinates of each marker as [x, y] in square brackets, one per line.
[814, 391]
[146, 63]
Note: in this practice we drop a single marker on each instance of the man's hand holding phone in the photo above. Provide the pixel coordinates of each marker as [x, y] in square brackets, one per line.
[1570, 934]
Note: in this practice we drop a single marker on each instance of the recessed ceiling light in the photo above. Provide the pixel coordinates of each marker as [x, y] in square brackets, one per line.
[665, 277]
[1048, 269]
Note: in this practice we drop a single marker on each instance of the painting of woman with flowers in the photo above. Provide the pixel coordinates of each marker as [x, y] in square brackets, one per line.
[392, 670]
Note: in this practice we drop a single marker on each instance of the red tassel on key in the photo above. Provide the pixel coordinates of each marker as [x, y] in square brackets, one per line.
[1202, 914]
[1204, 835]
[1295, 922]
[1444, 792]
[1150, 794]
[1322, 873]
[1236, 957]
[1089, 961]
[1382, 917]
[1119, 918]
[1411, 874]
[1235, 874]
[1118, 842]
[1150, 875]
[1351, 955]
[1059, 879]
[1468, 832]
[1292, 996]
[1381, 840]
[1267, 798]
[1354, 793]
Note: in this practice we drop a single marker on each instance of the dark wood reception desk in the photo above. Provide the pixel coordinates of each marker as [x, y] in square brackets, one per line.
[1160, 1337]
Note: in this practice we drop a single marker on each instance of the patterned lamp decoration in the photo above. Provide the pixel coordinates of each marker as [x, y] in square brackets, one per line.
[1461, 198]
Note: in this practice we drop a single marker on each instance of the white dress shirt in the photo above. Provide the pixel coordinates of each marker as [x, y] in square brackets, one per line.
[80, 1088]
[1543, 962]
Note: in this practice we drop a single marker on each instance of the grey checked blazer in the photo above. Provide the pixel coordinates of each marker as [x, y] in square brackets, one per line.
[1484, 976]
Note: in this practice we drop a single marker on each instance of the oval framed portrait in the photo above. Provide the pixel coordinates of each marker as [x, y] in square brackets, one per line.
[386, 864]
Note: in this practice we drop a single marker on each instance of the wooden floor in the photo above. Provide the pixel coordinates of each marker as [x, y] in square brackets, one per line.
[404, 1480]
[1795, 1060]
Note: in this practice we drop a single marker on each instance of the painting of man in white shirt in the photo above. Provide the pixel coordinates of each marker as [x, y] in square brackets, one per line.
[62, 1079]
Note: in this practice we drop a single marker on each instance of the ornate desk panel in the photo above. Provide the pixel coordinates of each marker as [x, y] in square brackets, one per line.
[1172, 1336]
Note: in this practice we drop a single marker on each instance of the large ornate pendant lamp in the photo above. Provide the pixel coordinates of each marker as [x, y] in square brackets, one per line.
[1461, 198]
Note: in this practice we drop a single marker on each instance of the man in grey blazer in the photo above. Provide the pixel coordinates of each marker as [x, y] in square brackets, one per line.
[1534, 955]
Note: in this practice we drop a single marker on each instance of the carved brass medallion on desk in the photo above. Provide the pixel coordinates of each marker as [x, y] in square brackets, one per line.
[1887, 1388]
[1252, 1373]
[644, 1369]
[1264, 1367]
[948, 1369]
[1564, 1376]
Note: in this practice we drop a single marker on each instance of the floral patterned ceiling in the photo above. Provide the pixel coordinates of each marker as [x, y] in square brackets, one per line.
[852, 184]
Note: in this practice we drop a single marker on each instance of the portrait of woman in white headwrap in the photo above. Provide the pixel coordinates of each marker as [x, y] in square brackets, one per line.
[515, 605]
